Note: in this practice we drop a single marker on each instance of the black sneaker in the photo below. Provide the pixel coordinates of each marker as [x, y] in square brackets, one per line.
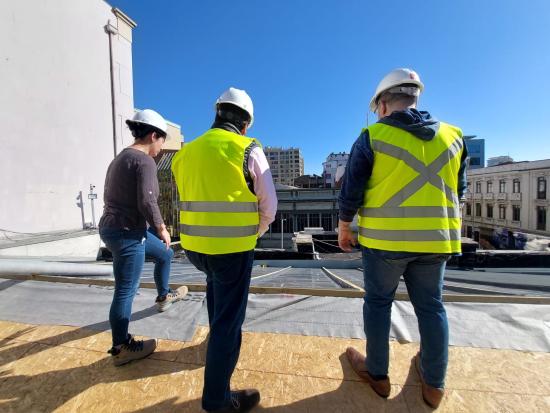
[241, 401]
[133, 350]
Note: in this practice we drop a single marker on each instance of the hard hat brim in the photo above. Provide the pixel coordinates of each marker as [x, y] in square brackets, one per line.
[130, 122]
[373, 105]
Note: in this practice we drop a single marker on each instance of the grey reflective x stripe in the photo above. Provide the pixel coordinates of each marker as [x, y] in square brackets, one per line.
[213, 206]
[410, 212]
[218, 231]
[427, 174]
[411, 235]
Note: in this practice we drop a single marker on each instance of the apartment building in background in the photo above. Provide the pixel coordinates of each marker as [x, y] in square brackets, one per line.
[334, 162]
[286, 164]
[513, 198]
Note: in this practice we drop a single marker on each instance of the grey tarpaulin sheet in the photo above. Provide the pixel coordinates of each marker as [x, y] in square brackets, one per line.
[504, 326]
[36, 302]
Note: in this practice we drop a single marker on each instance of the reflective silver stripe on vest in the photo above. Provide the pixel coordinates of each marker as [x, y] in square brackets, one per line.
[214, 206]
[411, 234]
[218, 231]
[427, 174]
[410, 212]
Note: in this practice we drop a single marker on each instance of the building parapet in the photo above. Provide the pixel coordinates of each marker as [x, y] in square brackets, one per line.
[511, 167]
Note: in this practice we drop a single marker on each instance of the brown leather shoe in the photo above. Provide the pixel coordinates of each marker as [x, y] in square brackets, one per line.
[432, 395]
[357, 361]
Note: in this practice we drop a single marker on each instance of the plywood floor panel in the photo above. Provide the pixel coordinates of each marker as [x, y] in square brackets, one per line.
[55, 368]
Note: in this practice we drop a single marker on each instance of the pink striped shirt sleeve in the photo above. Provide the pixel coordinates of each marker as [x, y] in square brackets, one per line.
[263, 187]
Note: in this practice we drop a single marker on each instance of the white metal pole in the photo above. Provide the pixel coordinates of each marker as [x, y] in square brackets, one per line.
[282, 246]
[91, 197]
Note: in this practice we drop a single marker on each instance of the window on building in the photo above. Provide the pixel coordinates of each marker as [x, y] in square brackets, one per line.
[541, 218]
[516, 212]
[475, 161]
[502, 211]
[489, 187]
[502, 186]
[541, 187]
[468, 186]
[489, 210]
[301, 222]
[468, 208]
[478, 210]
[314, 220]
[327, 222]
[287, 223]
[478, 187]
[516, 186]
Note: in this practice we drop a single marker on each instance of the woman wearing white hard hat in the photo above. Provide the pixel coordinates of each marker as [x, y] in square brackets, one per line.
[131, 193]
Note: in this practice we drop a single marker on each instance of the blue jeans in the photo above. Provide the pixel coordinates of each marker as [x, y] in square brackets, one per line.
[128, 249]
[227, 284]
[156, 249]
[423, 276]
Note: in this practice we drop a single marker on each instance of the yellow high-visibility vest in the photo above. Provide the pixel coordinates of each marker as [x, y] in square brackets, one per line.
[411, 202]
[218, 212]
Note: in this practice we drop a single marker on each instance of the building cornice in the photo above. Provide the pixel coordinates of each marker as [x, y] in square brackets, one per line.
[124, 17]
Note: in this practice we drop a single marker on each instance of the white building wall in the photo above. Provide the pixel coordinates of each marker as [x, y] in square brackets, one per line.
[331, 165]
[55, 109]
[526, 199]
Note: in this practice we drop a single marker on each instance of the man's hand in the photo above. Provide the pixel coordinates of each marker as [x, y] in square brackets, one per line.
[164, 235]
[346, 240]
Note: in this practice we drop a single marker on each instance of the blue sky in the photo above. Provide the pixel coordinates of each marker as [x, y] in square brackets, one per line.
[311, 66]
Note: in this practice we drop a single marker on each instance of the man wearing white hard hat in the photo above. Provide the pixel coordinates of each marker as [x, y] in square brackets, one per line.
[131, 193]
[227, 201]
[405, 177]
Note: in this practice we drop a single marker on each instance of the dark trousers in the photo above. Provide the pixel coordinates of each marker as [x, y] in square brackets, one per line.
[227, 283]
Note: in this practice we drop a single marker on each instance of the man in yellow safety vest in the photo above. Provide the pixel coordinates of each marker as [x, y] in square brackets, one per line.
[227, 200]
[405, 177]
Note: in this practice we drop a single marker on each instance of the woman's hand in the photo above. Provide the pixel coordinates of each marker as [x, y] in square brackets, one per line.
[164, 235]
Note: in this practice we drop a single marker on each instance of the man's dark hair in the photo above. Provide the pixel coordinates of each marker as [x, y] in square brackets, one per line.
[141, 130]
[227, 112]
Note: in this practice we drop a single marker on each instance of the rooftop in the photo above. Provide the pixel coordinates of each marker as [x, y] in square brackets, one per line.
[301, 316]
[511, 167]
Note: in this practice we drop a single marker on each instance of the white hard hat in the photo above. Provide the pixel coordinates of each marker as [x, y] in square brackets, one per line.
[393, 80]
[150, 117]
[238, 98]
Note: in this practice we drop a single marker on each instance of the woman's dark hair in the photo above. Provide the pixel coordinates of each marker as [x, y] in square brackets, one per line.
[141, 130]
[233, 114]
